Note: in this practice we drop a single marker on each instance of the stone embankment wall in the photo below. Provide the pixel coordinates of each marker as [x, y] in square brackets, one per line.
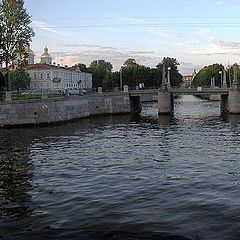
[62, 109]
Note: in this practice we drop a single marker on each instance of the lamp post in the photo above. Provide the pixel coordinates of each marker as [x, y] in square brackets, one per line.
[168, 77]
[229, 76]
[220, 72]
[213, 82]
[163, 75]
[121, 82]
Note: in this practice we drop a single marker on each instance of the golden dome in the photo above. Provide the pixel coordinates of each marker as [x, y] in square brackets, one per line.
[45, 53]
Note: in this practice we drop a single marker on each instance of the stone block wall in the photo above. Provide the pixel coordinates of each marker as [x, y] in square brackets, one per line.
[62, 109]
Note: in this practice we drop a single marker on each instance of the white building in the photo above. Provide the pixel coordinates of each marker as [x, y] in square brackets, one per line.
[44, 75]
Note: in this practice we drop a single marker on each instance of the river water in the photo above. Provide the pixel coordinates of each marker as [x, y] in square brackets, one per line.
[124, 177]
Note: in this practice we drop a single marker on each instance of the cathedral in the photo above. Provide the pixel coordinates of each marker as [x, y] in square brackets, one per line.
[45, 57]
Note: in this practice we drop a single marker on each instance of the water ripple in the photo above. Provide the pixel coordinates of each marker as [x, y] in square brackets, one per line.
[174, 177]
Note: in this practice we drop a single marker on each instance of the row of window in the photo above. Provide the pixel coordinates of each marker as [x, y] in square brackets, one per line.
[67, 76]
[63, 85]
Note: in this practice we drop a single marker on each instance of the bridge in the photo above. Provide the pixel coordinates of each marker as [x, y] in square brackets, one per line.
[177, 91]
[230, 97]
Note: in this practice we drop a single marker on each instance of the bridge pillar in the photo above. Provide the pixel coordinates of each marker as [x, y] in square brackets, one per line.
[8, 96]
[125, 88]
[165, 101]
[231, 103]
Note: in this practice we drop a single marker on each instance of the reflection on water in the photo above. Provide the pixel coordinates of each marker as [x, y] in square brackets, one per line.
[16, 175]
[124, 177]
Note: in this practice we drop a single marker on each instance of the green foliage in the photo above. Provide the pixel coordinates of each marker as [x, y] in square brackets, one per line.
[203, 77]
[15, 31]
[130, 63]
[19, 79]
[175, 76]
[101, 72]
[80, 66]
[132, 73]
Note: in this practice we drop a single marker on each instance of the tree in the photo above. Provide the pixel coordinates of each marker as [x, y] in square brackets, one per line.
[15, 31]
[175, 76]
[134, 73]
[20, 79]
[130, 62]
[101, 71]
[203, 77]
[80, 66]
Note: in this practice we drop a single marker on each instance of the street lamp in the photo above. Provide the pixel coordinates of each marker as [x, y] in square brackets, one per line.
[121, 82]
[168, 76]
[220, 72]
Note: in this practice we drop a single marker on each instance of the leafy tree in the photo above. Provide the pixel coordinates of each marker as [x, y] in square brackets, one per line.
[175, 76]
[101, 72]
[134, 73]
[15, 31]
[80, 66]
[20, 79]
[130, 62]
[203, 77]
[115, 79]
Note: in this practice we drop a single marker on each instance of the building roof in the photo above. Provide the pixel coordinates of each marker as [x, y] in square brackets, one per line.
[40, 66]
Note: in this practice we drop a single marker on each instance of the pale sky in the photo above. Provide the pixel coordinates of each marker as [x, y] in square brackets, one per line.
[196, 33]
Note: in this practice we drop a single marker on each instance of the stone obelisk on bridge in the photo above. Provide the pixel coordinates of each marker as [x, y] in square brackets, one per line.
[165, 98]
[231, 103]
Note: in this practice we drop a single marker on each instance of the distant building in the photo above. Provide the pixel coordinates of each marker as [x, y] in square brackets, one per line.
[46, 57]
[44, 75]
[187, 79]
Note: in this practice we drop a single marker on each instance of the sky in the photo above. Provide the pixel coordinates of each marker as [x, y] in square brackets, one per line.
[196, 33]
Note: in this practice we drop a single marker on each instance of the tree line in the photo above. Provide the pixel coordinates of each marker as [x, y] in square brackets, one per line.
[132, 73]
[204, 76]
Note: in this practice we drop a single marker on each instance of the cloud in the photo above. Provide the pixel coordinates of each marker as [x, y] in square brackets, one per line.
[236, 7]
[218, 47]
[87, 53]
[45, 26]
[222, 44]
[219, 2]
[139, 52]
[203, 31]
[91, 46]
[187, 68]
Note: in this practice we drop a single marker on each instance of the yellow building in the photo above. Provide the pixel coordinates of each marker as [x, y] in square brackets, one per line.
[187, 79]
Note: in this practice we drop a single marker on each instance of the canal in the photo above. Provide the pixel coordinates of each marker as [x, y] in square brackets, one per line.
[124, 177]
